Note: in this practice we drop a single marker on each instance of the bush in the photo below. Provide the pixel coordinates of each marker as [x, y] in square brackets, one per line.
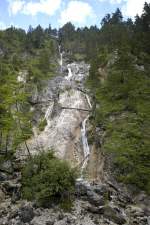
[42, 125]
[47, 179]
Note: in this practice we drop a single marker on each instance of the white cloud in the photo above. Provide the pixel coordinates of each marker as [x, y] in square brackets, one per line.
[112, 1]
[76, 12]
[129, 7]
[48, 7]
[133, 7]
[15, 6]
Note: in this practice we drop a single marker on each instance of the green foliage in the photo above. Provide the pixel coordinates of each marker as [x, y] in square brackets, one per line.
[31, 55]
[46, 178]
[42, 124]
[122, 99]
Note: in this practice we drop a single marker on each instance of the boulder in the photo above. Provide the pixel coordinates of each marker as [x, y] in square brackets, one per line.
[82, 187]
[101, 189]
[114, 214]
[95, 199]
[94, 209]
[26, 213]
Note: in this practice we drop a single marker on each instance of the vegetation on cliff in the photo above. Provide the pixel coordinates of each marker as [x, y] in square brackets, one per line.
[47, 179]
[26, 60]
[119, 55]
[119, 81]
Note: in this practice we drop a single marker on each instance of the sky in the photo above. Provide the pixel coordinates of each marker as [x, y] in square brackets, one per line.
[22, 13]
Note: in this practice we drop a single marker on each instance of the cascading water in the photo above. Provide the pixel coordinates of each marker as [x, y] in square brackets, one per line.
[88, 100]
[86, 149]
[48, 112]
[65, 124]
[70, 74]
[61, 57]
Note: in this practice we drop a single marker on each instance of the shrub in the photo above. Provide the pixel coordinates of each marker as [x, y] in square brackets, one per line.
[42, 125]
[47, 179]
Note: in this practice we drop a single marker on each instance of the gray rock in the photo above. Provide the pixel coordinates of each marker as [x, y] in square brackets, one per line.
[7, 166]
[2, 196]
[61, 222]
[26, 213]
[94, 209]
[82, 188]
[3, 176]
[95, 199]
[11, 186]
[101, 189]
[114, 215]
[49, 222]
[148, 220]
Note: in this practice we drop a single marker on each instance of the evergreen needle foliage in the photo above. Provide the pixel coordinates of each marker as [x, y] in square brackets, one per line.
[47, 179]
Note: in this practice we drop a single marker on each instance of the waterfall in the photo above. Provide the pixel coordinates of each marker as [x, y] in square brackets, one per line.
[48, 112]
[61, 57]
[86, 149]
[70, 74]
[88, 100]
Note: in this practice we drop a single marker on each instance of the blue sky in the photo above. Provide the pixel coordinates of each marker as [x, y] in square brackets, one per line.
[22, 13]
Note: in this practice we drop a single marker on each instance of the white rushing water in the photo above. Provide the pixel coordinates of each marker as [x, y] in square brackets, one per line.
[70, 74]
[48, 112]
[86, 149]
[61, 57]
[88, 100]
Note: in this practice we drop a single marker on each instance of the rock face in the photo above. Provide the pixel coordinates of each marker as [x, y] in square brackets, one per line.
[63, 104]
[94, 204]
[64, 108]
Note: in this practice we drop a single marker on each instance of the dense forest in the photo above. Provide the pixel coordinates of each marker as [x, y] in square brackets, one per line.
[119, 56]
